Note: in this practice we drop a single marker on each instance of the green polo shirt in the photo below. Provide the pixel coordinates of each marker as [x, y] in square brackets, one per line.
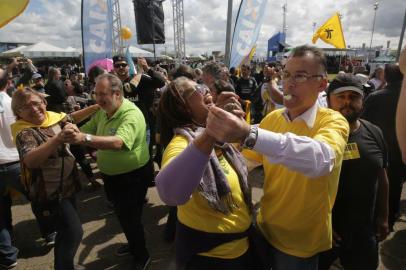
[128, 123]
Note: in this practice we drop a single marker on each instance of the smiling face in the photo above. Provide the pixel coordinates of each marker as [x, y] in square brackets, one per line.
[33, 110]
[198, 101]
[107, 99]
[121, 69]
[302, 95]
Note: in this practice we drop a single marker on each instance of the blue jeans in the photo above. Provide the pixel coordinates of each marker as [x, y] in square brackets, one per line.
[273, 258]
[9, 177]
[69, 235]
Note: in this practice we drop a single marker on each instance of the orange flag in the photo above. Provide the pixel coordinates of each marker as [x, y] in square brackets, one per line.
[10, 9]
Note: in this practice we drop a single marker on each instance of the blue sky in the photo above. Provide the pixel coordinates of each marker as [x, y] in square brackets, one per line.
[58, 22]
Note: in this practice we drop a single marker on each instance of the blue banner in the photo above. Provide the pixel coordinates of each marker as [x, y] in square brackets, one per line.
[246, 31]
[97, 31]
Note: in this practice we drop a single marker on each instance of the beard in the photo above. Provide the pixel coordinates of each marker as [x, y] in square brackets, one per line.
[351, 116]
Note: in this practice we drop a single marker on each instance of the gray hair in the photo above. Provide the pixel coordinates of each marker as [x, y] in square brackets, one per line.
[115, 83]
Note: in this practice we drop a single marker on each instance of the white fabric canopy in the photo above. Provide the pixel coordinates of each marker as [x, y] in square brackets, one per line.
[137, 52]
[41, 50]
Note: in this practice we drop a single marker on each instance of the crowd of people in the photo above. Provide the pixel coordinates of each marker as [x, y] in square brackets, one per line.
[333, 168]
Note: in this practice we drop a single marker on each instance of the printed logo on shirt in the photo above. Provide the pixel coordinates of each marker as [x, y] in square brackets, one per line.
[351, 151]
[112, 131]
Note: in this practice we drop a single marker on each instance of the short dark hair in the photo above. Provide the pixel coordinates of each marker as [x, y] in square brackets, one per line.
[214, 69]
[392, 73]
[182, 71]
[301, 51]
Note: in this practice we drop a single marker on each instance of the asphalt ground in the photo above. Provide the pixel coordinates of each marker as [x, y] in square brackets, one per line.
[103, 235]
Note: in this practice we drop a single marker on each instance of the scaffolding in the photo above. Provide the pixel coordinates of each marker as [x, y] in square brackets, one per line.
[179, 31]
[117, 40]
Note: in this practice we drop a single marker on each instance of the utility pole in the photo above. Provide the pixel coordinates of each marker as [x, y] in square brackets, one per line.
[376, 5]
[314, 27]
[228, 32]
[285, 11]
[401, 38]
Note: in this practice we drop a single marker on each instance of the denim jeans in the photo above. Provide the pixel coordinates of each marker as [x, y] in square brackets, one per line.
[127, 192]
[273, 258]
[69, 235]
[9, 177]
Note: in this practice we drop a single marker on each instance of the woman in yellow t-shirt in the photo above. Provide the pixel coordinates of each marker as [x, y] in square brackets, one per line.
[206, 181]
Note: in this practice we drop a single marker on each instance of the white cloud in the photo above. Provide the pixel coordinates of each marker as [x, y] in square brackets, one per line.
[58, 22]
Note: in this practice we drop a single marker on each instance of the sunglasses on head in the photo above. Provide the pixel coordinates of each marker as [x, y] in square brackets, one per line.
[121, 65]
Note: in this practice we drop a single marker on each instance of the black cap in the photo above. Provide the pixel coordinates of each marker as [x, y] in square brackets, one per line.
[119, 58]
[345, 82]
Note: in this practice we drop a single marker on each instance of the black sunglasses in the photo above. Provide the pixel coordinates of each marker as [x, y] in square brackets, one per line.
[122, 65]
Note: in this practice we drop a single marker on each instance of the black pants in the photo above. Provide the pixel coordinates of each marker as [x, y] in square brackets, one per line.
[127, 192]
[395, 191]
[356, 250]
[69, 235]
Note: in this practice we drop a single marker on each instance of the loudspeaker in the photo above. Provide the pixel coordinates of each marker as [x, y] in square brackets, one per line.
[149, 21]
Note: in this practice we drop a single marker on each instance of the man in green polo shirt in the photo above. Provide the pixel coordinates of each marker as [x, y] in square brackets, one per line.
[118, 132]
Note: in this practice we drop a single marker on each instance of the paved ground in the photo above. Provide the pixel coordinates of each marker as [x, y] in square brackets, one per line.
[102, 235]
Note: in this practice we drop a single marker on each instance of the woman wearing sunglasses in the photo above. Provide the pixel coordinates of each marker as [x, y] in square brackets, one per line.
[206, 180]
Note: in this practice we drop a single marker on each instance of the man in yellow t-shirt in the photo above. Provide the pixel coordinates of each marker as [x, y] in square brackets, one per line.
[301, 148]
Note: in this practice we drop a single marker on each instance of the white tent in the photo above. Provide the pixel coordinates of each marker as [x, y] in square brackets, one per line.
[41, 50]
[137, 52]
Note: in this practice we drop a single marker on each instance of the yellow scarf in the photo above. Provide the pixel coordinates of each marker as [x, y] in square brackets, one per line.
[51, 118]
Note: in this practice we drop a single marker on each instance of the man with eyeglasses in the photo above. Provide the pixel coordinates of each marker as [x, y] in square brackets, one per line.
[301, 148]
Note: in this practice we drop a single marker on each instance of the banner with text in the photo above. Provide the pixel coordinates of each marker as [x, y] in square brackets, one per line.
[246, 31]
[97, 23]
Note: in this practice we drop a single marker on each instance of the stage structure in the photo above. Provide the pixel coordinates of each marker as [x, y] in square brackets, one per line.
[118, 48]
[179, 31]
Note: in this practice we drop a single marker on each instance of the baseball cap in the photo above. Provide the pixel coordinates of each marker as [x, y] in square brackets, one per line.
[345, 82]
[119, 58]
[36, 76]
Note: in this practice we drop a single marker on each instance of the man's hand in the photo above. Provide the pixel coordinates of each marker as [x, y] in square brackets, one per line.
[143, 63]
[72, 134]
[382, 228]
[225, 126]
[402, 61]
[229, 101]
[336, 239]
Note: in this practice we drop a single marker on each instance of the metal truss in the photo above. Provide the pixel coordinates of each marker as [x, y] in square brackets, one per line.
[179, 31]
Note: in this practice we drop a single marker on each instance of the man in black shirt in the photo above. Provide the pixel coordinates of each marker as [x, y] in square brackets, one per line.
[360, 211]
[380, 110]
[246, 85]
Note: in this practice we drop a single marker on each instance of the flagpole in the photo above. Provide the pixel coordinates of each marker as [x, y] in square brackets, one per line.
[228, 32]
[401, 38]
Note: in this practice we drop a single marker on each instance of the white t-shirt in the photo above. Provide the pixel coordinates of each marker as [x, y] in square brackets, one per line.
[8, 150]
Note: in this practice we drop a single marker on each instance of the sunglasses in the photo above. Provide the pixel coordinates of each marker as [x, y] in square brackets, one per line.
[199, 88]
[122, 65]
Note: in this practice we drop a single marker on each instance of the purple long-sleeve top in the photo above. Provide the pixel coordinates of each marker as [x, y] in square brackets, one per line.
[179, 179]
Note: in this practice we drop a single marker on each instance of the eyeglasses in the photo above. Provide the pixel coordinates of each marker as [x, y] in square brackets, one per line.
[299, 78]
[122, 65]
[33, 104]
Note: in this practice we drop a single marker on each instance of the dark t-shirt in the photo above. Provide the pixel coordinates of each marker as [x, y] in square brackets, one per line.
[245, 88]
[364, 155]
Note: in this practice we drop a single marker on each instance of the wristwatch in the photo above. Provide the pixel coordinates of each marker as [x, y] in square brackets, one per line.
[88, 138]
[251, 139]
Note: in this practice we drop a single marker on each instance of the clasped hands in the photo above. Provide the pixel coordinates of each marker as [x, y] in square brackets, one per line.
[225, 121]
[71, 134]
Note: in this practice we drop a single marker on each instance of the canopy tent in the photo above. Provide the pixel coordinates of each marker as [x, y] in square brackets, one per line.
[137, 52]
[41, 50]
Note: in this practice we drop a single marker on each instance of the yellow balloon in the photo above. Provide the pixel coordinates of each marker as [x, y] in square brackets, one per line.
[125, 33]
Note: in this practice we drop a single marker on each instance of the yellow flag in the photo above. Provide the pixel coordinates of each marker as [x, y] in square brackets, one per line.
[331, 32]
[10, 9]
